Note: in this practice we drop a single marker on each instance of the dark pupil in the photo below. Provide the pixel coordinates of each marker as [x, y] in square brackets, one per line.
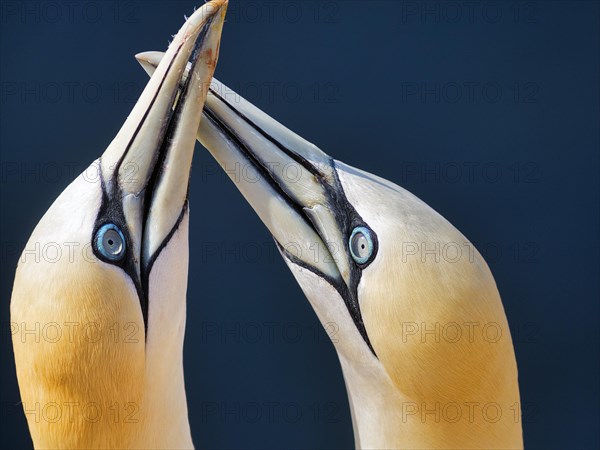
[110, 242]
[360, 245]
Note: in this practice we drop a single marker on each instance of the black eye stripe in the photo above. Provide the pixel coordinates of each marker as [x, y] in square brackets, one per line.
[111, 211]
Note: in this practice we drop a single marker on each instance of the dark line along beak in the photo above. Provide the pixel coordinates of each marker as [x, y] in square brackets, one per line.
[146, 168]
[294, 187]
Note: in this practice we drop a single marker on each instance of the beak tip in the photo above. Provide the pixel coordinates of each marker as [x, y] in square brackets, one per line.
[150, 57]
[149, 60]
[210, 9]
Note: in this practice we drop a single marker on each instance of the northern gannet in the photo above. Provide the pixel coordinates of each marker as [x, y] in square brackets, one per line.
[423, 340]
[108, 373]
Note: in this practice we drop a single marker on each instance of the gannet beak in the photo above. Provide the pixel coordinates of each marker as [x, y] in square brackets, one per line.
[145, 170]
[295, 189]
[292, 185]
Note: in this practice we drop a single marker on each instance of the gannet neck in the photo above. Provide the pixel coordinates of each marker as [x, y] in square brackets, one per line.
[167, 424]
[383, 417]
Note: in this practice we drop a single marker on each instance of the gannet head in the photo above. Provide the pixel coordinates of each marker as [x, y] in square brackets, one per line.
[393, 278]
[110, 292]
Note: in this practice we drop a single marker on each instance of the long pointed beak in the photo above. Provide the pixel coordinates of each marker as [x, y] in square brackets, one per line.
[292, 185]
[293, 188]
[145, 170]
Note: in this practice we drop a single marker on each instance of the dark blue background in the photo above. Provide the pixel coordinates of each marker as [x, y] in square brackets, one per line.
[512, 161]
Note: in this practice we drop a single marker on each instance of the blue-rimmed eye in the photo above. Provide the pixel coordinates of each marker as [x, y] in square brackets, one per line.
[361, 244]
[110, 242]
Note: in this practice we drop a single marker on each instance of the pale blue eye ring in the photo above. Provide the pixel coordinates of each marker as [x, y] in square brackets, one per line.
[110, 242]
[361, 244]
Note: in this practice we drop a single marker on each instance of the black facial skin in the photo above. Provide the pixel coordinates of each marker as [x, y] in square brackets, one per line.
[111, 209]
[346, 215]
[348, 219]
